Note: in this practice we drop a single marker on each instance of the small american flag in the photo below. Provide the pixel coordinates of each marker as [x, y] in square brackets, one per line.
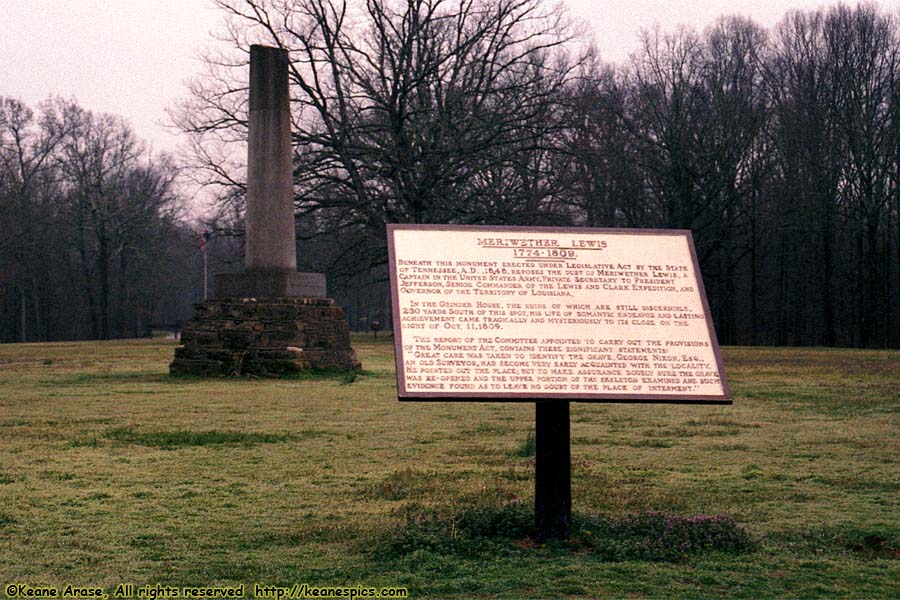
[203, 238]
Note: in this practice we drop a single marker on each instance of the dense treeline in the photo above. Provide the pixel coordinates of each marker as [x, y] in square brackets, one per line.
[779, 149]
[91, 245]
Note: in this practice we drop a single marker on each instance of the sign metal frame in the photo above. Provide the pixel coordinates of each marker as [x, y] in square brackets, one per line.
[531, 396]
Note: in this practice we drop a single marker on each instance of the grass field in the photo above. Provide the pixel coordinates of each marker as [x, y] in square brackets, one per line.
[111, 472]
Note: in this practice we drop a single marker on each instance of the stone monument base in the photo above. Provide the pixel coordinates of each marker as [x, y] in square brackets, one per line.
[264, 337]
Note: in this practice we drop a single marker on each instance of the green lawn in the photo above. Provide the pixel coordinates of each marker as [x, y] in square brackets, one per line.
[112, 472]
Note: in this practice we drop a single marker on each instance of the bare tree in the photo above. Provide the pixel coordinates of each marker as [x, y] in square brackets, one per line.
[404, 111]
[865, 63]
[667, 115]
[598, 162]
[87, 216]
[738, 109]
[115, 192]
[27, 187]
[811, 155]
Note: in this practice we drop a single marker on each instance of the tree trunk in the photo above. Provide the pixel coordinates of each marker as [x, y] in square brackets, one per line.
[40, 333]
[829, 335]
[23, 335]
[754, 307]
[103, 272]
[872, 268]
[124, 300]
[782, 295]
[862, 339]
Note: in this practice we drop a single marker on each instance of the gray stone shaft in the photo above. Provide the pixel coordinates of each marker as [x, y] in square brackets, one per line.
[270, 243]
[269, 320]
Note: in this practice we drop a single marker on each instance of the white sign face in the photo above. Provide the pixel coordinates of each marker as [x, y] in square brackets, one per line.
[517, 313]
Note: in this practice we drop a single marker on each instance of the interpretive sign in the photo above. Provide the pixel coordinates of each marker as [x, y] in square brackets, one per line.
[525, 313]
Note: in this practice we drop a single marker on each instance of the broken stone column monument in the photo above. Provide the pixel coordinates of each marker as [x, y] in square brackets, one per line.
[269, 320]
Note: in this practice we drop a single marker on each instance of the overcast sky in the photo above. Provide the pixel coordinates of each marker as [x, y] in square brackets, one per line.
[131, 57]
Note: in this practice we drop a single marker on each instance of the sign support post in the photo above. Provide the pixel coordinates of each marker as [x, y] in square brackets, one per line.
[552, 471]
[551, 316]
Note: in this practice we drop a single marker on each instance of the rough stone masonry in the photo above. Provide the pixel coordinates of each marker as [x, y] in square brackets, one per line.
[269, 320]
